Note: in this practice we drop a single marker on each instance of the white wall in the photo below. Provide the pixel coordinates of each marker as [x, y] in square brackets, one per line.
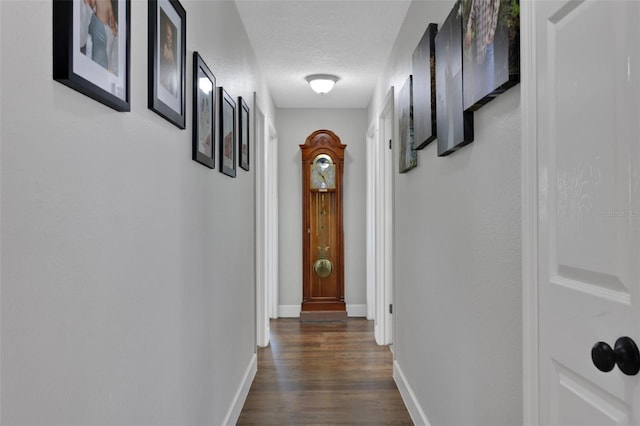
[457, 309]
[127, 268]
[294, 125]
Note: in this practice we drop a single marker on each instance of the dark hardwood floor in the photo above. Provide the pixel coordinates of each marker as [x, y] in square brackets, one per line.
[324, 374]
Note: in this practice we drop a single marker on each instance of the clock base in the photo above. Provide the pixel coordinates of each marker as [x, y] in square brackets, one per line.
[323, 316]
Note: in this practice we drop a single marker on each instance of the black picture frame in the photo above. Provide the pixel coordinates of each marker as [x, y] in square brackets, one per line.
[96, 69]
[204, 112]
[243, 133]
[489, 68]
[454, 124]
[408, 156]
[167, 69]
[424, 88]
[227, 126]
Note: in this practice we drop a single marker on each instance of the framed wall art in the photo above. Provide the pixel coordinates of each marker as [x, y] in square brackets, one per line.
[424, 88]
[204, 112]
[227, 133]
[491, 49]
[408, 156]
[243, 132]
[167, 57]
[91, 49]
[454, 124]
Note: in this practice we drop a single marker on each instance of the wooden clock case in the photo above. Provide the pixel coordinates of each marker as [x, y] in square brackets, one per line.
[322, 233]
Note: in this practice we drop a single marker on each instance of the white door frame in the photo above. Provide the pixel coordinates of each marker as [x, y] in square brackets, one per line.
[387, 152]
[383, 182]
[266, 222]
[272, 219]
[529, 205]
[262, 309]
[372, 148]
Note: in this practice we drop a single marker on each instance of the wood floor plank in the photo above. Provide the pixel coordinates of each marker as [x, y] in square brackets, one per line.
[324, 374]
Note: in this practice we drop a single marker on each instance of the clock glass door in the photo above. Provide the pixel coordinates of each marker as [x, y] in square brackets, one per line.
[323, 284]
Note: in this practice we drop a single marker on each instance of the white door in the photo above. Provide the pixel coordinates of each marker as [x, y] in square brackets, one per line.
[587, 59]
[383, 329]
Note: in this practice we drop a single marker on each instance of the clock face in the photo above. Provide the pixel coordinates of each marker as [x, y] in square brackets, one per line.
[323, 173]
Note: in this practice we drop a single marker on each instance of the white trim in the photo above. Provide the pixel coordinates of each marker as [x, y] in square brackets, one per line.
[371, 146]
[293, 311]
[413, 406]
[289, 311]
[261, 225]
[272, 218]
[241, 394]
[383, 328]
[529, 164]
[357, 311]
[1, 124]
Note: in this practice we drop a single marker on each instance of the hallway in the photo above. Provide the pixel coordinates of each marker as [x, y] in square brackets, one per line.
[136, 282]
[323, 373]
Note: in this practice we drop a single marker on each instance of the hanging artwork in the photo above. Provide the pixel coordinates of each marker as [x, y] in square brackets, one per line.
[91, 49]
[424, 88]
[243, 132]
[454, 125]
[204, 112]
[491, 49]
[408, 155]
[167, 60]
[227, 133]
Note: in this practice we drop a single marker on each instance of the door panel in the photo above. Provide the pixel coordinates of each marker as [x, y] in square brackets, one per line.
[578, 402]
[589, 205]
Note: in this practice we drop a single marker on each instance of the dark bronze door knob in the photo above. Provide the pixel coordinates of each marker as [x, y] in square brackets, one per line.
[625, 354]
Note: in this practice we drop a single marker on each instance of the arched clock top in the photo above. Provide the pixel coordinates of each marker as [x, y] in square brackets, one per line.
[322, 141]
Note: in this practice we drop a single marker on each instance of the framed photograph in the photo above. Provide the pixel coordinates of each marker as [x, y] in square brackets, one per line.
[408, 155]
[491, 49]
[91, 49]
[227, 128]
[204, 112]
[454, 124]
[167, 57]
[424, 88]
[243, 133]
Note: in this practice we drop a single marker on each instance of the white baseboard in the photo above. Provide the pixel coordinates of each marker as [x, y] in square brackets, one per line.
[242, 392]
[409, 398]
[288, 311]
[357, 310]
[293, 311]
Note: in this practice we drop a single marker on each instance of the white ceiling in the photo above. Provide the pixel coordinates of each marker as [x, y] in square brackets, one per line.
[295, 38]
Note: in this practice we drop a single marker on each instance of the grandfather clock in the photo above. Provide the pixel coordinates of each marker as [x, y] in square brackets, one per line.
[322, 231]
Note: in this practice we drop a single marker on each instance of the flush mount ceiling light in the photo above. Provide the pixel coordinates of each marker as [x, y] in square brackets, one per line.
[321, 83]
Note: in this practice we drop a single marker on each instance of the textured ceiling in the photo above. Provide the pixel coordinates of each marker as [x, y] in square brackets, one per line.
[295, 38]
